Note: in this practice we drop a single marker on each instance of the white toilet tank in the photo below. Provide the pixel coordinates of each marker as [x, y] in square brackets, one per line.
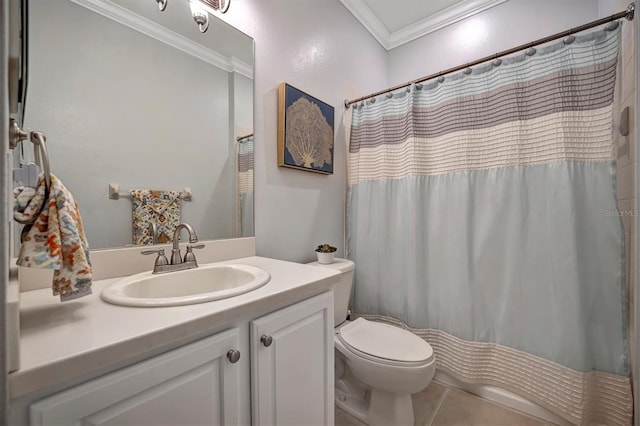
[342, 290]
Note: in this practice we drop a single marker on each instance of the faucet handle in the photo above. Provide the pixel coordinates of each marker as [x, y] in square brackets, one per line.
[147, 252]
[161, 260]
[189, 256]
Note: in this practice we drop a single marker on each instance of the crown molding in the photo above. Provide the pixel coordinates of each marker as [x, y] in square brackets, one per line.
[369, 20]
[242, 68]
[445, 17]
[151, 29]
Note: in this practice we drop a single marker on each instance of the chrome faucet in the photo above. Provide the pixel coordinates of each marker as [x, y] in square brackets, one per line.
[176, 258]
[178, 263]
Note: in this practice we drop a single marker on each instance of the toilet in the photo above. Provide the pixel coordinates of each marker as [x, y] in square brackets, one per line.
[377, 366]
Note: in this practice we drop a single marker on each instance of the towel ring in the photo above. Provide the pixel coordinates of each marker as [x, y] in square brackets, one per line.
[16, 134]
[40, 140]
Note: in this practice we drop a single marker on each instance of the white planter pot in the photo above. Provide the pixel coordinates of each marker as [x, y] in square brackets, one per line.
[325, 258]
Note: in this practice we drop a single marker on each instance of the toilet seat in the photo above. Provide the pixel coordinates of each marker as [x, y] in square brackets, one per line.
[384, 343]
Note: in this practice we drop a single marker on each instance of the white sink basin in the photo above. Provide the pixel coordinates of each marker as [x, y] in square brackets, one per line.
[199, 285]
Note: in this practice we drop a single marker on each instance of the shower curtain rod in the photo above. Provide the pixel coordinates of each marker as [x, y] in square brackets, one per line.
[628, 13]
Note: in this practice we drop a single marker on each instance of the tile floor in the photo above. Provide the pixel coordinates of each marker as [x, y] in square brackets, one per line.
[440, 405]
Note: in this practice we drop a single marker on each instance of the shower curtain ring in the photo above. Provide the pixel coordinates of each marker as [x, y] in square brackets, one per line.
[631, 9]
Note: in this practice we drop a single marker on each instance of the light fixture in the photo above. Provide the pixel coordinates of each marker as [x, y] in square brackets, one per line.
[218, 5]
[200, 10]
[200, 15]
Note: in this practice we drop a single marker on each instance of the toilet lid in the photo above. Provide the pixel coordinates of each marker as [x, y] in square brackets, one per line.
[385, 341]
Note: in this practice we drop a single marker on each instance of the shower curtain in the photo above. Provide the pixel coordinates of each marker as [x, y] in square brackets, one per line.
[481, 214]
[245, 186]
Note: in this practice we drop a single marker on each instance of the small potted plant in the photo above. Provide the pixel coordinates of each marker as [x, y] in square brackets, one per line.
[325, 253]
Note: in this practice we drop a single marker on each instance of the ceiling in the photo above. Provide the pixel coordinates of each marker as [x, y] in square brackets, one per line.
[401, 21]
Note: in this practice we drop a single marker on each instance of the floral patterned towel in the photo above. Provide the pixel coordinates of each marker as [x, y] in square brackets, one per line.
[159, 207]
[53, 237]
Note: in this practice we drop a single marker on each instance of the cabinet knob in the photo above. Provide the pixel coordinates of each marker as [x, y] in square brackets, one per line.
[233, 356]
[266, 340]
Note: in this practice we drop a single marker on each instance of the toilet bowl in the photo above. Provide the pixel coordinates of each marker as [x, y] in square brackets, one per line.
[389, 364]
[378, 366]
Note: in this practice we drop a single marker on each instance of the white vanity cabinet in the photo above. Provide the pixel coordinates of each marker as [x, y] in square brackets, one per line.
[292, 365]
[286, 378]
[197, 384]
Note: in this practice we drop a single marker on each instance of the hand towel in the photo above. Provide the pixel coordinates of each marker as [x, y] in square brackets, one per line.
[53, 237]
[159, 207]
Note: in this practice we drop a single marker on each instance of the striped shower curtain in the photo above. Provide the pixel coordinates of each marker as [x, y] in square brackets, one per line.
[482, 216]
[245, 186]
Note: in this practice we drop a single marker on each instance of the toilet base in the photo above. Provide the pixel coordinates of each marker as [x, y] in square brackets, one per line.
[351, 403]
[390, 409]
[373, 406]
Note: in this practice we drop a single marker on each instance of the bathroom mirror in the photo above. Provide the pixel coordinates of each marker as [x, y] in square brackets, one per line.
[129, 94]
[17, 60]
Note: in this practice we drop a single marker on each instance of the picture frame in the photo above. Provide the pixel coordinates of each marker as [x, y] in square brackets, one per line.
[305, 131]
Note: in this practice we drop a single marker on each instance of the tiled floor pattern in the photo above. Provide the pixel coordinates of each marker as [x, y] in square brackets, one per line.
[440, 405]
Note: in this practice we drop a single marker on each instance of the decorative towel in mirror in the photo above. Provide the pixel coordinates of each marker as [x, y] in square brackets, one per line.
[159, 207]
[53, 237]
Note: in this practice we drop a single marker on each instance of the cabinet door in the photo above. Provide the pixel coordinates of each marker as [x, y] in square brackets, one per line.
[292, 365]
[194, 385]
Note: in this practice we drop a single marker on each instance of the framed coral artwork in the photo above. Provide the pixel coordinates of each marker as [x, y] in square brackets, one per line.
[305, 131]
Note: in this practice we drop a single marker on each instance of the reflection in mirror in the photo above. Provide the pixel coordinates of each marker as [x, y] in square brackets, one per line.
[17, 61]
[131, 95]
[245, 185]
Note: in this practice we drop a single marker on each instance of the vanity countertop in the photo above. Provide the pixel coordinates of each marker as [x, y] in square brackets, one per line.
[63, 341]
